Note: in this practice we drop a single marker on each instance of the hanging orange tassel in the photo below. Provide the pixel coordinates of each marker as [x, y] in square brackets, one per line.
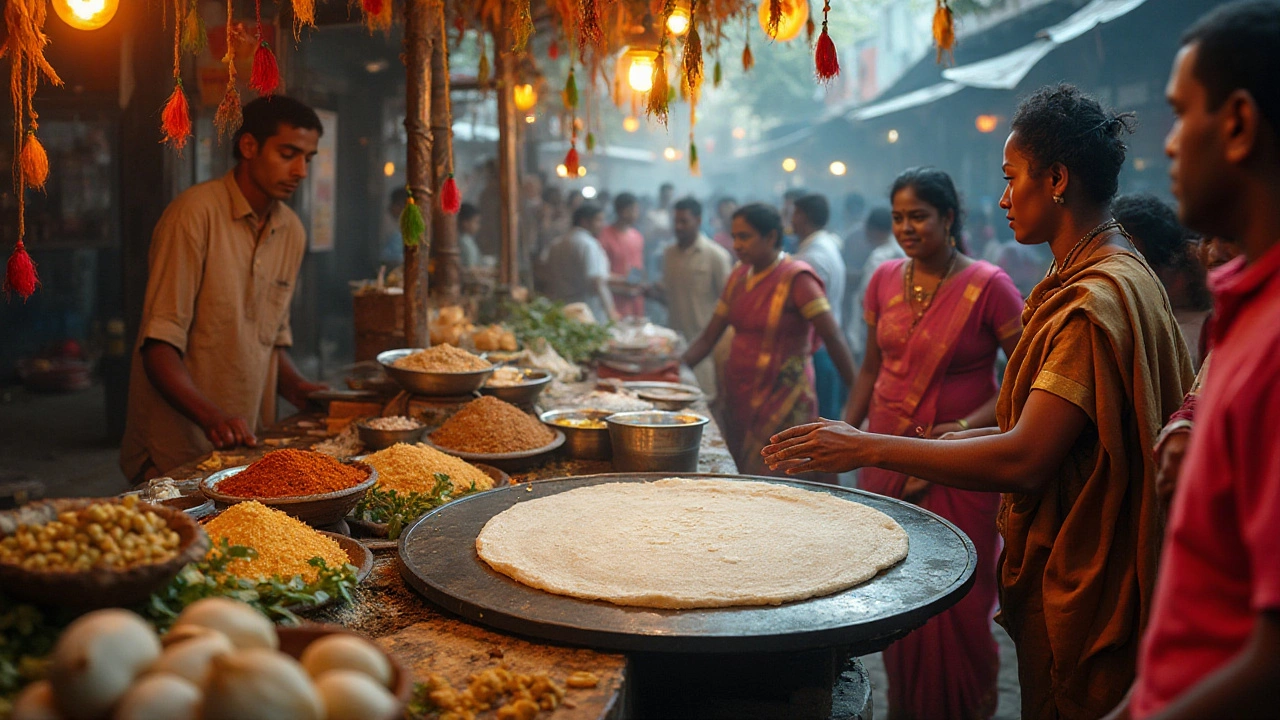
[21, 273]
[175, 119]
[659, 94]
[944, 30]
[693, 70]
[304, 13]
[372, 7]
[589, 32]
[824, 58]
[571, 162]
[775, 18]
[748, 60]
[524, 26]
[553, 50]
[809, 29]
[265, 77]
[380, 20]
[34, 161]
[450, 196]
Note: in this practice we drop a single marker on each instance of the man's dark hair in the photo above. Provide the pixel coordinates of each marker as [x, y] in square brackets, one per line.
[1238, 48]
[1060, 124]
[623, 201]
[816, 208]
[794, 194]
[263, 117]
[1155, 230]
[585, 212]
[764, 219]
[880, 219]
[666, 187]
[690, 206]
[467, 211]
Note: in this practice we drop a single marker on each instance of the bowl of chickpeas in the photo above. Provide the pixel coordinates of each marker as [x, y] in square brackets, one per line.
[88, 553]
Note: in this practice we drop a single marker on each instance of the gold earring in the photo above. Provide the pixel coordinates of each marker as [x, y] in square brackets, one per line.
[1059, 199]
[951, 241]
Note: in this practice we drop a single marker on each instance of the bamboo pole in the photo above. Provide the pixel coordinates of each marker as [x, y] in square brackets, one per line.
[418, 42]
[508, 181]
[447, 279]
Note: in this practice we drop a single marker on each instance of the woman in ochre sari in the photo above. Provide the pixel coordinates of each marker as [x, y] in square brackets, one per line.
[1101, 365]
[775, 305]
[935, 321]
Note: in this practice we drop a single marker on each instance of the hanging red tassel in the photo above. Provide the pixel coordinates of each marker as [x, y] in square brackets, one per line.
[34, 161]
[21, 276]
[824, 58]
[265, 77]
[175, 119]
[229, 116]
[571, 162]
[553, 50]
[450, 197]
[372, 7]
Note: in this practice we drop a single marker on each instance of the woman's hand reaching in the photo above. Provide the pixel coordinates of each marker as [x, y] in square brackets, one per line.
[825, 446]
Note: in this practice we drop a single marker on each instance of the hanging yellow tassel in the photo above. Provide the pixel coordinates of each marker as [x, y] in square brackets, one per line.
[483, 72]
[195, 38]
[693, 62]
[944, 30]
[229, 115]
[34, 162]
[659, 93]
[304, 13]
[523, 28]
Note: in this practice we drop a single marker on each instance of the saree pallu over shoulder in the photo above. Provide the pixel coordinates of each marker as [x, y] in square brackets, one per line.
[1078, 571]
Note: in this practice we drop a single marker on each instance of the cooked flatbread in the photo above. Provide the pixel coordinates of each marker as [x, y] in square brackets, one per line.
[680, 543]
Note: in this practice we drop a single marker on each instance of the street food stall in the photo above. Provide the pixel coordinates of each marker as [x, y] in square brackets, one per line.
[372, 557]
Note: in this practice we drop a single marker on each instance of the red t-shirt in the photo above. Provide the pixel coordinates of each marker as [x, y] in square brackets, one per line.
[1221, 563]
[626, 252]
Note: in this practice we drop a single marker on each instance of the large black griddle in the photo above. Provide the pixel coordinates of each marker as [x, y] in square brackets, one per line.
[438, 558]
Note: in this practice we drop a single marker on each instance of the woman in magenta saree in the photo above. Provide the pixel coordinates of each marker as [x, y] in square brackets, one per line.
[936, 320]
[776, 306]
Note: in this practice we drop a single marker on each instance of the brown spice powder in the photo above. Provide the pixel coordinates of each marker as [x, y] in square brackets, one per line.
[489, 425]
[292, 473]
[443, 358]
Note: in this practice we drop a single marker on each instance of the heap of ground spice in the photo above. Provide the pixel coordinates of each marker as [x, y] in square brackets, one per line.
[489, 425]
[412, 468]
[285, 545]
[292, 473]
[443, 359]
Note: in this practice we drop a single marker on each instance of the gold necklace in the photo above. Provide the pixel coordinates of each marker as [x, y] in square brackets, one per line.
[1070, 257]
[924, 300]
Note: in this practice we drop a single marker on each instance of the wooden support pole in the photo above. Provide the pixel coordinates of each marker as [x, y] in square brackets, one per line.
[447, 278]
[418, 42]
[508, 181]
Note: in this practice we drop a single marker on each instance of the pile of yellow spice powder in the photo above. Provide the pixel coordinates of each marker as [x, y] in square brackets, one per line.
[285, 545]
[412, 468]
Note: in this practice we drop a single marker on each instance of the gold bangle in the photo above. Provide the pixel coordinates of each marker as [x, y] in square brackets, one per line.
[964, 424]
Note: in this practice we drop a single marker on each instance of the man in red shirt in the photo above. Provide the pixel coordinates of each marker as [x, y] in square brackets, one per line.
[1212, 648]
[624, 245]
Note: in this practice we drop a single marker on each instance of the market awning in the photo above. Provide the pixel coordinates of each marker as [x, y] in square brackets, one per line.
[1005, 71]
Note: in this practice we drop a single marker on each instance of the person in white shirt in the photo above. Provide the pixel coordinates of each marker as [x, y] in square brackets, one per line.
[577, 267]
[879, 235]
[820, 250]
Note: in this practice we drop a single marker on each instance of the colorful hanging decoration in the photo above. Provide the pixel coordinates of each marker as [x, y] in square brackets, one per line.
[571, 161]
[484, 70]
[693, 69]
[716, 74]
[809, 30]
[412, 225]
[265, 77]
[523, 29]
[195, 38]
[782, 20]
[775, 18]
[571, 91]
[229, 115]
[694, 169]
[748, 60]
[175, 118]
[24, 20]
[659, 94]
[944, 30]
[553, 50]
[304, 13]
[589, 31]
[377, 15]
[827, 65]
[591, 142]
[450, 196]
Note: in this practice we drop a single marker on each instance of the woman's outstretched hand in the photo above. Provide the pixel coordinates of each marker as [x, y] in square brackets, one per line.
[825, 446]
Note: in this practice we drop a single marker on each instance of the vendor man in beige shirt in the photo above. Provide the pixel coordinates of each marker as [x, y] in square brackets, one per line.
[694, 272]
[212, 348]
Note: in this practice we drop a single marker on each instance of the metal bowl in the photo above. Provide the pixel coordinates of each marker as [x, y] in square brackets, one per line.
[315, 510]
[666, 395]
[582, 443]
[656, 441]
[510, 462]
[439, 384]
[526, 393]
[375, 439]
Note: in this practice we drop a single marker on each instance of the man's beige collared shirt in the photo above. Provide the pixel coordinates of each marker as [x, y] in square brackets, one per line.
[219, 292]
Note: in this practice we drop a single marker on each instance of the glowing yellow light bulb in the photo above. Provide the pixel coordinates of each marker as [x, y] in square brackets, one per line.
[678, 21]
[789, 164]
[389, 169]
[86, 14]
[838, 168]
[562, 171]
[640, 74]
[630, 124]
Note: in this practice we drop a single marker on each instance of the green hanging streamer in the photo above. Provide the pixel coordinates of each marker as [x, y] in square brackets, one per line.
[571, 91]
[591, 142]
[412, 226]
[715, 75]
[693, 159]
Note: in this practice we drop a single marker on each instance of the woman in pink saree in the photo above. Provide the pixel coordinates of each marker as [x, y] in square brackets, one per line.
[776, 305]
[935, 322]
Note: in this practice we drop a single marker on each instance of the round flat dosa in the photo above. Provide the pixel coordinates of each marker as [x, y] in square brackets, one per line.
[680, 543]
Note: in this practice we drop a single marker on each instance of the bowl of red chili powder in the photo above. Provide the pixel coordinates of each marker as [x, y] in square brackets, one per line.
[308, 485]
